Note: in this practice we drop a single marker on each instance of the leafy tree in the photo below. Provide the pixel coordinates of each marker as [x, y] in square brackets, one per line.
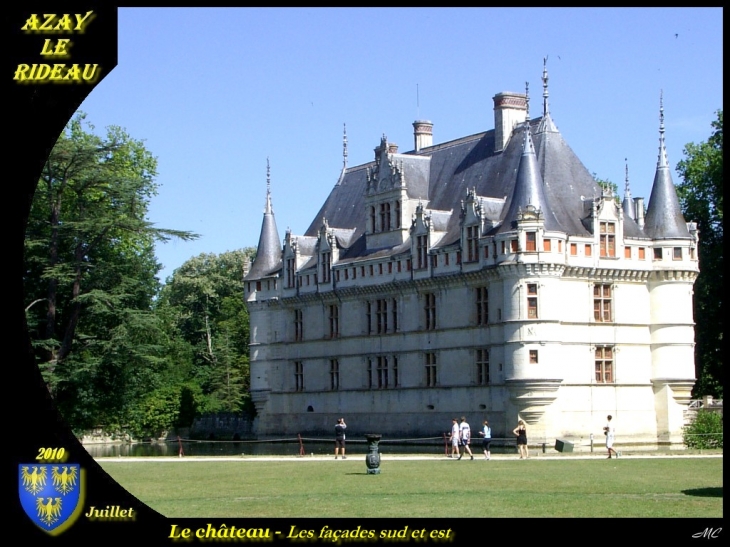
[90, 274]
[608, 186]
[204, 298]
[701, 198]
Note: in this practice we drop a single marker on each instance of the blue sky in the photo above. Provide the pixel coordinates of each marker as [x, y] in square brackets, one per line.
[215, 92]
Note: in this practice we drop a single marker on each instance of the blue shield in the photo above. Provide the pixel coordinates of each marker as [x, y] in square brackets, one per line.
[52, 494]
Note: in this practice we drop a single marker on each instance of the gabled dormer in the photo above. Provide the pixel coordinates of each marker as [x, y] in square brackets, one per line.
[607, 225]
[327, 253]
[394, 185]
[421, 229]
[472, 226]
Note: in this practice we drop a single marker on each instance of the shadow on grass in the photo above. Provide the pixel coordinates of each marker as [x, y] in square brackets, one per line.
[715, 492]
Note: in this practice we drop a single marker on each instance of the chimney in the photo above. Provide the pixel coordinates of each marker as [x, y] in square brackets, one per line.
[639, 209]
[422, 134]
[509, 110]
[392, 148]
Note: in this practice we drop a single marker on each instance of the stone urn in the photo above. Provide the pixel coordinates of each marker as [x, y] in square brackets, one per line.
[372, 460]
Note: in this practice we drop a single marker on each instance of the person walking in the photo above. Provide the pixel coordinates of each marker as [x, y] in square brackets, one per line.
[454, 438]
[610, 432]
[465, 437]
[340, 427]
[486, 433]
[521, 433]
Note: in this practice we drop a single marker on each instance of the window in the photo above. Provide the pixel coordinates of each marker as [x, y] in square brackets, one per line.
[381, 372]
[381, 316]
[677, 253]
[486, 251]
[394, 315]
[560, 245]
[642, 253]
[533, 356]
[369, 317]
[607, 239]
[334, 321]
[504, 249]
[547, 245]
[627, 252]
[384, 217]
[658, 254]
[397, 214]
[390, 267]
[458, 257]
[602, 303]
[334, 374]
[532, 300]
[573, 249]
[291, 271]
[258, 285]
[604, 365]
[434, 261]
[531, 241]
[446, 259]
[430, 309]
[482, 362]
[421, 251]
[298, 326]
[472, 243]
[326, 266]
[513, 245]
[589, 250]
[372, 219]
[431, 378]
[370, 270]
[298, 376]
[482, 301]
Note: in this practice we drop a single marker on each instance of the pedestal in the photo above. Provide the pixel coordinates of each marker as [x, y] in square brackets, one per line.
[372, 460]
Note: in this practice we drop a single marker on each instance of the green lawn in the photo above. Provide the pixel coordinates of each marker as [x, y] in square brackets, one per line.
[568, 487]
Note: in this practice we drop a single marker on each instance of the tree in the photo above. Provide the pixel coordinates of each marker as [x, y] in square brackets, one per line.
[90, 272]
[701, 197]
[204, 298]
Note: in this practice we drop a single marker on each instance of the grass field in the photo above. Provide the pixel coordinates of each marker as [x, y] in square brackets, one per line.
[567, 487]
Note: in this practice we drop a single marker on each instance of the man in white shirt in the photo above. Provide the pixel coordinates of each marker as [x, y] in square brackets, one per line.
[454, 438]
[610, 431]
[465, 437]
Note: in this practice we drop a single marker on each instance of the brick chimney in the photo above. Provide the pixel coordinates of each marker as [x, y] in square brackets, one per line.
[422, 134]
[509, 110]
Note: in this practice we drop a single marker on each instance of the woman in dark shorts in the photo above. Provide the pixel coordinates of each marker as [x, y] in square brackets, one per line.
[521, 433]
[486, 432]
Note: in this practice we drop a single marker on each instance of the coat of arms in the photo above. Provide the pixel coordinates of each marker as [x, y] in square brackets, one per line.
[51, 494]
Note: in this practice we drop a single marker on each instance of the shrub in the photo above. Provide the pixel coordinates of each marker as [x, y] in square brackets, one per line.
[705, 431]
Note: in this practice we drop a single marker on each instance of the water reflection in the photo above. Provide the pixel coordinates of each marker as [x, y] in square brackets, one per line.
[266, 448]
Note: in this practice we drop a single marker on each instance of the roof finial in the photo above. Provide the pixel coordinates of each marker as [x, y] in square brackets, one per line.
[545, 108]
[527, 102]
[344, 145]
[662, 162]
[627, 191]
[268, 187]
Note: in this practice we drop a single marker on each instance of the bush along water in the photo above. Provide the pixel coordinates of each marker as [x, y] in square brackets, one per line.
[705, 431]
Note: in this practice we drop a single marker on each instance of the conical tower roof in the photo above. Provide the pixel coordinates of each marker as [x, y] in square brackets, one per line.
[268, 252]
[664, 219]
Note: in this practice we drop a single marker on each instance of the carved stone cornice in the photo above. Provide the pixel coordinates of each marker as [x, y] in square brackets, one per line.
[531, 396]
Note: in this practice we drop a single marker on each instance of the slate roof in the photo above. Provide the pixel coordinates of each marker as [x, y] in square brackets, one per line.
[538, 169]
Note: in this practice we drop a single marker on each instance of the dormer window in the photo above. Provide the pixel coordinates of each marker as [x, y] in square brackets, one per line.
[397, 214]
[326, 266]
[291, 272]
[421, 251]
[607, 239]
[384, 217]
[472, 243]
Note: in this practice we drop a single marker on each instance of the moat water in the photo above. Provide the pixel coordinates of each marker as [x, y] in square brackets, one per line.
[318, 447]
